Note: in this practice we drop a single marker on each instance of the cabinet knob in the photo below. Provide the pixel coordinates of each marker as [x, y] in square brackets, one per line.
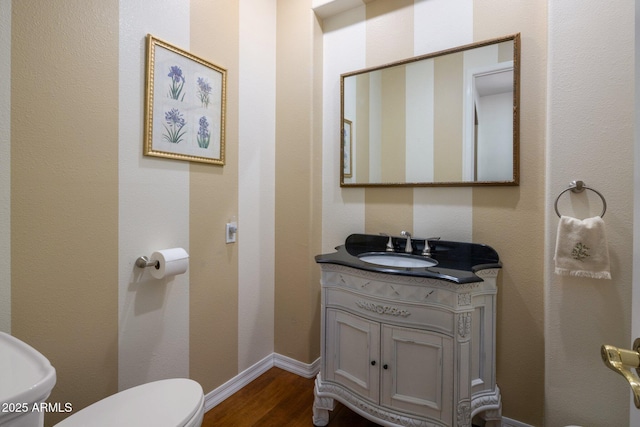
[385, 366]
[373, 363]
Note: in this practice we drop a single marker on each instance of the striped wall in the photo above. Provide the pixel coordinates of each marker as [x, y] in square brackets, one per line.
[78, 196]
[539, 316]
[83, 200]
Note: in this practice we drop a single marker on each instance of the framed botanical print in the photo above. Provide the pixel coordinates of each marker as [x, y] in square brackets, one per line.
[347, 149]
[185, 102]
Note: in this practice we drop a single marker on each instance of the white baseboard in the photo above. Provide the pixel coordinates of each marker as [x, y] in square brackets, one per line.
[307, 370]
[213, 398]
[218, 395]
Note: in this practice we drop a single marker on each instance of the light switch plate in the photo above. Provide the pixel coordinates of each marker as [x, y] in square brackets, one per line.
[231, 230]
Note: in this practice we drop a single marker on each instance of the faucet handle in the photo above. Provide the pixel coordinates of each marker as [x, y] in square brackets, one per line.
[390, 247]
[426, 251]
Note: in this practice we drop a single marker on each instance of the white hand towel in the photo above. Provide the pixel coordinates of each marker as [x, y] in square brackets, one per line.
[581, 248]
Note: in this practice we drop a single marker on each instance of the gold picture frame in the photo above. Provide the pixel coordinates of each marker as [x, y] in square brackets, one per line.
[185, 105]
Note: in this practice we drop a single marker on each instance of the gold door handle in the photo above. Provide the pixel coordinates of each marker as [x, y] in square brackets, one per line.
[621, 361]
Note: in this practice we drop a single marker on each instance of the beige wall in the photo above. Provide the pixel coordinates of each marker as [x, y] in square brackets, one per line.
[362, 128]
[509, 217]
[392, 125]
[64, 191]
[65, 195]
[448, 75]
[213, 201]
[298, 184]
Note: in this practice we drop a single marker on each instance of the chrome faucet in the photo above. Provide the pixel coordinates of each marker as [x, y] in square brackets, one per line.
[407, 248]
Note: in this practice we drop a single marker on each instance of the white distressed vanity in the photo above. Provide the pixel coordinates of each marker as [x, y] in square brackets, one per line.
[409, 346]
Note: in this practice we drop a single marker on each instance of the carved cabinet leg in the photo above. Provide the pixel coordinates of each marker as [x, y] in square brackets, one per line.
[320, 417]
[321, 408]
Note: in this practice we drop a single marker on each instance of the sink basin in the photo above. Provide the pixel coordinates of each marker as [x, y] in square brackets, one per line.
[386, 259]
[27, 379]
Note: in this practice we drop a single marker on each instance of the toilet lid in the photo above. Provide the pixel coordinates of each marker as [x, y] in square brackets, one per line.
[170, 403]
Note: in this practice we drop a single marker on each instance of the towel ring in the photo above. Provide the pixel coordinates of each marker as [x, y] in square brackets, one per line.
[579, 187]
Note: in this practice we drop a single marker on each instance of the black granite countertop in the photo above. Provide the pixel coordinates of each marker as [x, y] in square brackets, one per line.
[457, 261]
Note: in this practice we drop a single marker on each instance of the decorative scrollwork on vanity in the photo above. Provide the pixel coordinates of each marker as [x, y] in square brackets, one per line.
[464, 325]
[382, 309]
[464, 298]
[464, 414]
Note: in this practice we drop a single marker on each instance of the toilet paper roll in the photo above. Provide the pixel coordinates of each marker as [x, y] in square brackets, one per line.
[169, 262]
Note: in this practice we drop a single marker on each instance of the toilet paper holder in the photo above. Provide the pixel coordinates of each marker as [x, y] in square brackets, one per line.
[144, 262]
[167, 262]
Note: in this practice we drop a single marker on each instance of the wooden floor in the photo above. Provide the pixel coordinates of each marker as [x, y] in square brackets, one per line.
[277, 398]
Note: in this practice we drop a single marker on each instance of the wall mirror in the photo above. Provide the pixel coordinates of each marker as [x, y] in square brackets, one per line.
[449, 118]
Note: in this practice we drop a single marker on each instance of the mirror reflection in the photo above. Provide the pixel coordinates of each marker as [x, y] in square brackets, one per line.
[447, 118]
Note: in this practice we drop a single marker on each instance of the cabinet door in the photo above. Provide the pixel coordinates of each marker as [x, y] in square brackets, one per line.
[417, 374]
[353, 352]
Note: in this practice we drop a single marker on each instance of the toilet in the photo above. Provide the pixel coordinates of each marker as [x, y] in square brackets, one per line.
[28, 378]
[177, 402]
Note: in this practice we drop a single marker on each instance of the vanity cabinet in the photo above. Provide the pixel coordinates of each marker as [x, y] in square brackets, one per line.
[407, 351]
